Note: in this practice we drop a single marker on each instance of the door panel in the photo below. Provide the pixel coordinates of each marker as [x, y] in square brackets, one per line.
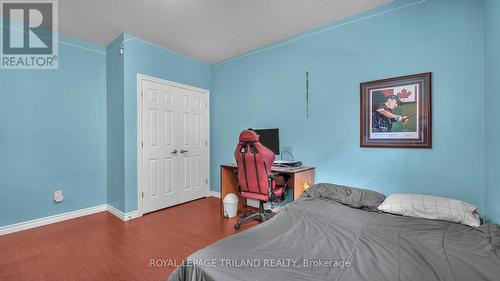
[194, 174]
[169, 176]
[159, 159]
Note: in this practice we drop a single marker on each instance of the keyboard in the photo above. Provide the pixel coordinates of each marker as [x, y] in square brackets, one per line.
[287, 163]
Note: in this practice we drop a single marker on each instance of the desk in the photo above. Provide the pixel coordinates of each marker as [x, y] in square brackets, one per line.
[298, 177]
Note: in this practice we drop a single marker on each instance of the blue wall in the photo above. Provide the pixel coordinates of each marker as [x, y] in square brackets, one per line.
[53, 135]
[144, 58]
[115, 124]
[265, 88]
[492, 75]
[74, 129]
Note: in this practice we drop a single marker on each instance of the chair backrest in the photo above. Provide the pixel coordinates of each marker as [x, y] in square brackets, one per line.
[254, 162]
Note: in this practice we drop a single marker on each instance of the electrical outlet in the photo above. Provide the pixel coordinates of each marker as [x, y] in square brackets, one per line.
[58, 196]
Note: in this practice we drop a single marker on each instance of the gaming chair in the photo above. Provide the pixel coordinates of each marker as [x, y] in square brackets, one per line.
[255, 179]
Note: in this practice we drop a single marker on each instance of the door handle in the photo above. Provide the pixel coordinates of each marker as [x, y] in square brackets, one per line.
[183, 151]
[174, 151]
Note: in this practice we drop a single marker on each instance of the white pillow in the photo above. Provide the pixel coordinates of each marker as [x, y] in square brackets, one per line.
[431, 207]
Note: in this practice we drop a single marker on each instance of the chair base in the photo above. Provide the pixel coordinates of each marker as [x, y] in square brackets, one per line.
[261, 215]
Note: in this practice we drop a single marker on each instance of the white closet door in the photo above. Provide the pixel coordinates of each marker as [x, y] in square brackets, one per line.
[174, 125]
[160, 160]
[193, 147]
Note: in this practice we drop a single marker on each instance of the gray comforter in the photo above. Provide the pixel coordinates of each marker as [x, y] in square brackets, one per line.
[319, 239]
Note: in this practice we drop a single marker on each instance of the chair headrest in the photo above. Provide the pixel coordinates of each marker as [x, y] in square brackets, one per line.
[249, 136]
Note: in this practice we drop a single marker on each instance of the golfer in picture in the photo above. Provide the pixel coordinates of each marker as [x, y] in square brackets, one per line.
[383, 116]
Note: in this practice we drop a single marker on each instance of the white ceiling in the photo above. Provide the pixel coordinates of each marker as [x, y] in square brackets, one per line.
[207, 30]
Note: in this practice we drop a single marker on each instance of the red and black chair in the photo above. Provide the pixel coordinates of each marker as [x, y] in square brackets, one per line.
[255, 179]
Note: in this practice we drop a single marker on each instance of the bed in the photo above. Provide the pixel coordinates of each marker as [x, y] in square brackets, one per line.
[315, 238]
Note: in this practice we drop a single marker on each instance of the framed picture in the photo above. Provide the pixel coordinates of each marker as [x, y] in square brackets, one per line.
[396, 112]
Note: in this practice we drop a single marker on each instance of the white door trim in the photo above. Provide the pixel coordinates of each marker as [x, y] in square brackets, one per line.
[140, 78]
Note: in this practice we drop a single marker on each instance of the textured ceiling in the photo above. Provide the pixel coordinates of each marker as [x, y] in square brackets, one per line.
[207, 30]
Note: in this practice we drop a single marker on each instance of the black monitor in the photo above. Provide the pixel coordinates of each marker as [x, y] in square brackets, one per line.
[270, 138]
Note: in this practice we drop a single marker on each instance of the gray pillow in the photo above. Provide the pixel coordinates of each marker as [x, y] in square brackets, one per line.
[353, 197]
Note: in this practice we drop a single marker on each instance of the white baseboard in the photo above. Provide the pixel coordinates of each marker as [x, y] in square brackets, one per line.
[255, 203]
[252, 203]
[4, 230]
[51, 219]
[215, 194]
[121, 215]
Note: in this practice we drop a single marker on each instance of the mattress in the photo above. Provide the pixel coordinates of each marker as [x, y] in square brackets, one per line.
[318, 239]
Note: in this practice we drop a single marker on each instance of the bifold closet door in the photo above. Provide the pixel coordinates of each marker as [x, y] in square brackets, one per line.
[194, 149]
[174, 124]
[159, 146]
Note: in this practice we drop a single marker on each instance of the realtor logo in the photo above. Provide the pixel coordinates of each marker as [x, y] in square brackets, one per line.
[29, 35]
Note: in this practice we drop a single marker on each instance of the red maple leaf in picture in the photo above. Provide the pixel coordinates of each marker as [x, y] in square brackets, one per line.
[404, 94]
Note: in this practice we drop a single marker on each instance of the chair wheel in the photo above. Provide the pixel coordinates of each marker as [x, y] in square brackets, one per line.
[237, 226]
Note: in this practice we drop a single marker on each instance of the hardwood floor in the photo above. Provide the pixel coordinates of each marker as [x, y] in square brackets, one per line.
[102, 247]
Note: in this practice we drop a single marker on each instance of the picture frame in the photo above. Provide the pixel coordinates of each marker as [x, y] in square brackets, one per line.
[397, 112]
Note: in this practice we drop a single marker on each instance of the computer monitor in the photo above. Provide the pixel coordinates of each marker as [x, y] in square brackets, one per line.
[270, 138]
